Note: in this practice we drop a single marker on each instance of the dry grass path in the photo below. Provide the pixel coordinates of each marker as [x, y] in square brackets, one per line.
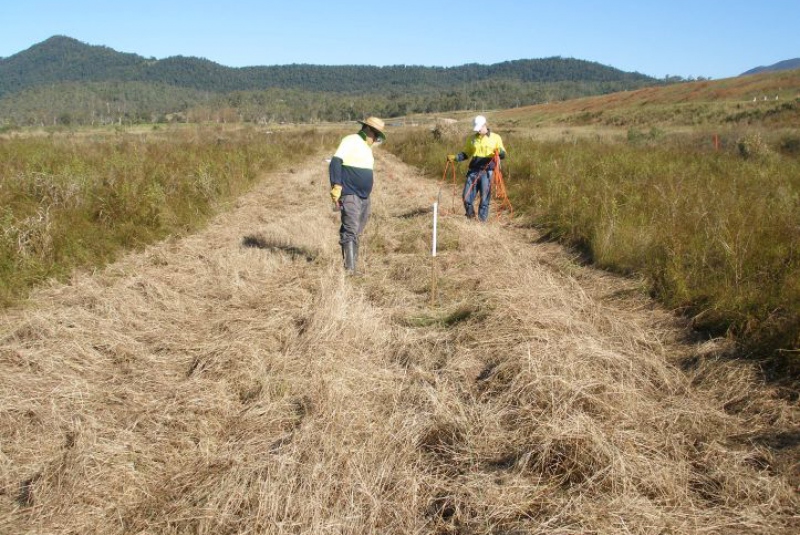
[235, 381]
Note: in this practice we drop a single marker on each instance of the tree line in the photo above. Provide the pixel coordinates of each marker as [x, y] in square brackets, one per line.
[74, 103]
[63, 81]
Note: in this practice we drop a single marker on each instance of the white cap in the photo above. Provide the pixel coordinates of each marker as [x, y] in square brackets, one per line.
[478, 123]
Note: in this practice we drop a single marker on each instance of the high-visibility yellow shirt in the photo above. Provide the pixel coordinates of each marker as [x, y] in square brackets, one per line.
[483, 146]
[481, 149]
[352, 166]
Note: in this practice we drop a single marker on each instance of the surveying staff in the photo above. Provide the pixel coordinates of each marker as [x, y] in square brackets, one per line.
[351, 176]
[480, 147]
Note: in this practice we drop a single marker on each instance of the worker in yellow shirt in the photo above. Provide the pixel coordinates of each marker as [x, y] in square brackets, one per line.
[480, 149]
[351, 177]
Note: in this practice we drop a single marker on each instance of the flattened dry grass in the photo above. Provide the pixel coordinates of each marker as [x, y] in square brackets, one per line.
[204, 386]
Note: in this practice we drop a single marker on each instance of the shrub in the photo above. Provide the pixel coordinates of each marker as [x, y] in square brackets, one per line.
[790, 145]
[752, 146]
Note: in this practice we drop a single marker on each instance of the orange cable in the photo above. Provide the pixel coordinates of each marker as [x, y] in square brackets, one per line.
[497, 186]
[499, 189]
[452, 166]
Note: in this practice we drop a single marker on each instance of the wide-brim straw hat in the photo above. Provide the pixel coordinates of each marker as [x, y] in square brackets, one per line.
[376, 124]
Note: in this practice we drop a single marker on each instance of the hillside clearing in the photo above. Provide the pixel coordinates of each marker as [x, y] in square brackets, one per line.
[235, 381]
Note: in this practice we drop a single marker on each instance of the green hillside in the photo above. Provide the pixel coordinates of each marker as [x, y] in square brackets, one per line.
[62, 59]
[53, 81]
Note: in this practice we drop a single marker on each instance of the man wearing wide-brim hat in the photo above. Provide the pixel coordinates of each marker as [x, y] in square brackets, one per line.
[351, 176]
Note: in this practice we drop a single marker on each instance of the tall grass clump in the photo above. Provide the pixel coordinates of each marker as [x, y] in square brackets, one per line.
[69, 201]
[715, 234]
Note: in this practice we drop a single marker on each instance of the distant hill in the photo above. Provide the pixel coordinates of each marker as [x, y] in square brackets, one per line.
[62, 80]
[786, 65]
[63, 59]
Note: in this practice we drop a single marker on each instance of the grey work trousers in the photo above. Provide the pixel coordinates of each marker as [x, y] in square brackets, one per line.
[355, 214]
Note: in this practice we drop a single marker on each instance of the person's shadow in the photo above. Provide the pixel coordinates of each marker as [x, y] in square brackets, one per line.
[260, 242]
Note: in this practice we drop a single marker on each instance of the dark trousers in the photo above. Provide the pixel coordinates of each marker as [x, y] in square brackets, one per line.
[355, 214]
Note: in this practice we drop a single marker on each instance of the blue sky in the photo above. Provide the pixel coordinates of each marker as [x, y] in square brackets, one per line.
[688, 38]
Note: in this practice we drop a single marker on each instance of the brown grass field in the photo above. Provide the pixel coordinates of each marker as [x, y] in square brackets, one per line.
[235, 381]
[767, 101]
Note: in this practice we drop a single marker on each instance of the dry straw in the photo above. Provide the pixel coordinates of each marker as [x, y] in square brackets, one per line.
[207, 386]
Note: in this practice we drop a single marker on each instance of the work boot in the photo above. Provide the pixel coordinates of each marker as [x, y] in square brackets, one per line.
[349, 255]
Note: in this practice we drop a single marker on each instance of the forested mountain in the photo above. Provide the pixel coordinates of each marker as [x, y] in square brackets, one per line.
[64, 80]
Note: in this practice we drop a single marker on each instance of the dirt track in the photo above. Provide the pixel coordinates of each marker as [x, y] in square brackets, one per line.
[235, 381]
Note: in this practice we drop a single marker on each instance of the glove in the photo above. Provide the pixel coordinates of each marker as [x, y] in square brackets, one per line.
[336, 192]
[502, 155]
[452, 158]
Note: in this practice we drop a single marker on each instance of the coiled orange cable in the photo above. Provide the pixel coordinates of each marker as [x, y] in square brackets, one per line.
[497, 187]
[499, 190]
[452, 167]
